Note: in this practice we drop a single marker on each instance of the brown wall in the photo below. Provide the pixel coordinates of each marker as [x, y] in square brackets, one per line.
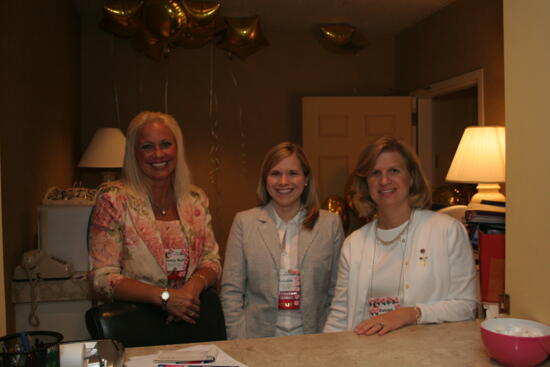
[39, 101]
[462, 37]
[266, 86]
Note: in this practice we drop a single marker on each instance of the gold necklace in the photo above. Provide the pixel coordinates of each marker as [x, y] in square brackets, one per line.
[163, 210]
[387, 243]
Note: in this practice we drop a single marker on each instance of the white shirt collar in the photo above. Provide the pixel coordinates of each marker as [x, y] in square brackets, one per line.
[296, 220]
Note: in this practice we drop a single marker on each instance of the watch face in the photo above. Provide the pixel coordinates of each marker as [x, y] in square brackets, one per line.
[165, 295]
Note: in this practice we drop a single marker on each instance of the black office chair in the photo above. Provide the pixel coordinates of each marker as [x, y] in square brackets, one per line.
[140, 324]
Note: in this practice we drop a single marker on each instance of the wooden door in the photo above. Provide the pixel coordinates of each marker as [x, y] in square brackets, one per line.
[337, 129]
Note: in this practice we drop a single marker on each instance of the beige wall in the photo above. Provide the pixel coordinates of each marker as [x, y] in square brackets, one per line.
[527, 56]
[267, 86]
[39, 100]
[462, 37]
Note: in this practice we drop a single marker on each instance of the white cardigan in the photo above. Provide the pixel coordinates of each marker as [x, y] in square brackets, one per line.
[445, 288]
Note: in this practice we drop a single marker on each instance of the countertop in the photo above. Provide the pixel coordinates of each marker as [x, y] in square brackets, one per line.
[448, 344]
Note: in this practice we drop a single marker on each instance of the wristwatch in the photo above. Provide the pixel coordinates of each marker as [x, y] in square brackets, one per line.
[164, 297]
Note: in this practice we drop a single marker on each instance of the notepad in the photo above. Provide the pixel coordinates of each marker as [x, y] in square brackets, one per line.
[186, 356]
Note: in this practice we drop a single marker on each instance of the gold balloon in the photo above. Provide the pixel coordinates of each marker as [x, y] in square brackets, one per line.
[151, 46]
[339, 34]
[202, 12]
[453, 194]
[341, 38]
[122, 17]
[203, 24]
[190, 40]
[243, 36]
[336, 204]
[165, 19]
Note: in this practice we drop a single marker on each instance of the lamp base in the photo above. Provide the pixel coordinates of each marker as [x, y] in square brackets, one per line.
[108, 176]
[489, 192]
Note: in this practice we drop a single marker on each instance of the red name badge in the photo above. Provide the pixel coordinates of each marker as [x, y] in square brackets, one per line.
[289, 290]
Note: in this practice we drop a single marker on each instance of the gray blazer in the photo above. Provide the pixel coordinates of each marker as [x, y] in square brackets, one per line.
[250, 281]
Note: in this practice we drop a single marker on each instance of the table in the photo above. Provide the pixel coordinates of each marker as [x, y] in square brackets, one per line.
[449, 344]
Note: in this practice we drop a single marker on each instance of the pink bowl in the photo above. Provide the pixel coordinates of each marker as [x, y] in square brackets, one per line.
[517, 351]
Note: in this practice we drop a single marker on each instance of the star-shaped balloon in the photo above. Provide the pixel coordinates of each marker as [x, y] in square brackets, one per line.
[243, 36]
[203, 25]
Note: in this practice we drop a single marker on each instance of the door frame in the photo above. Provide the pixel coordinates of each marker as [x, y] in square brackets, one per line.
[3, 318]
[425, 108]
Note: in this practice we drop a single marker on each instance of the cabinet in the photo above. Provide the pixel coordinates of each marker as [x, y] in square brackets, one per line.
[61, 306]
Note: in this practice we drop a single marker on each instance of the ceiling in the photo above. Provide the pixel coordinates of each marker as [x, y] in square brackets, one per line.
[373, 18]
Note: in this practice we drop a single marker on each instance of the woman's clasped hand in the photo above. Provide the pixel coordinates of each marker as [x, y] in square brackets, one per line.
[387, 322]
[183, 305]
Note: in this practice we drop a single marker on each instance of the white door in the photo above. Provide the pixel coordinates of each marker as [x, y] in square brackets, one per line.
[336, 129]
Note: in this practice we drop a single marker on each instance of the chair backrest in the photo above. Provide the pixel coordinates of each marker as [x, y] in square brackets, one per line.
[140, 324]
[456, 211]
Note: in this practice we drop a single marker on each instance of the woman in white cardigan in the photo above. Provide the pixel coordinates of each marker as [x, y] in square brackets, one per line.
[408, 264]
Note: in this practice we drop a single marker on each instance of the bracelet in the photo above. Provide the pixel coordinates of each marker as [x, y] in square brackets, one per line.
[418, 313]
[203, 278]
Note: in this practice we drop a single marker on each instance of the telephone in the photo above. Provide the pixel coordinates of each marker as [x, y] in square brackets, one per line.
[36, 264]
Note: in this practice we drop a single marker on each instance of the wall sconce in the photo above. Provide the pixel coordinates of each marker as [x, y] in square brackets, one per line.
[480, 158]
[106, 150]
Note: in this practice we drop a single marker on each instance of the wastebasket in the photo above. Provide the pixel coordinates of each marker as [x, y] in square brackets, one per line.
[30, 349]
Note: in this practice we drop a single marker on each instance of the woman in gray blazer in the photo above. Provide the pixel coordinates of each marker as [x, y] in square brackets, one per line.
[281, 259]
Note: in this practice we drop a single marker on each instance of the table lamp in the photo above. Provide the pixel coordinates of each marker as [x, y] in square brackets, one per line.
[106, 150]
[480, 158]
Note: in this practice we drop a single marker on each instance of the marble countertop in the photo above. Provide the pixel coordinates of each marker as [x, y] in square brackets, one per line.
[449, 344]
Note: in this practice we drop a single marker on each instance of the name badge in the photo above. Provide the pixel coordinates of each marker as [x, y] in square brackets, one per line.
[176, 263]
[289, 289]
[381, 305]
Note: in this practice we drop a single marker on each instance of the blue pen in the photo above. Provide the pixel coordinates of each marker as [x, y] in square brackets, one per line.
[25, 341]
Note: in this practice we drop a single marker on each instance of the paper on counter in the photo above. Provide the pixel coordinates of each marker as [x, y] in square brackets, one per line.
[222, 359]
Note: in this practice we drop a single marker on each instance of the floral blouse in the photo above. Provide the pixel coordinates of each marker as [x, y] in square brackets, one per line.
[125, 242]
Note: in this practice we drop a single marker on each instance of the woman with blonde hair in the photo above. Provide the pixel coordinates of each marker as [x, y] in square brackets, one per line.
[150, 236]
[281, 258]
[408, 264]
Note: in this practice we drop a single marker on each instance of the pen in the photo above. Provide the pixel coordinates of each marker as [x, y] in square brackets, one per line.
[25, 341]
[185, 363]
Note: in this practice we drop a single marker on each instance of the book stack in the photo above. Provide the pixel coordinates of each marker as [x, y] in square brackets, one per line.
[487, 216]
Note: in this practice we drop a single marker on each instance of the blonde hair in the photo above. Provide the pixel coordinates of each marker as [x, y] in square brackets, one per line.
[309, 198]
[132, 176]
[419, 192]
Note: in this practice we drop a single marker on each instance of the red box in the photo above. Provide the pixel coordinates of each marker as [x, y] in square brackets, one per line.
[491, 266]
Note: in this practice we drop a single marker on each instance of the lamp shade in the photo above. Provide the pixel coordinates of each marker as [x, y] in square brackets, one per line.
[480, 156]
[106, 150]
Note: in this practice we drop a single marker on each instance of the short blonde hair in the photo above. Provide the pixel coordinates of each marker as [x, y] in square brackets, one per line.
[132, 176]
[419, 193]
[309, 197]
